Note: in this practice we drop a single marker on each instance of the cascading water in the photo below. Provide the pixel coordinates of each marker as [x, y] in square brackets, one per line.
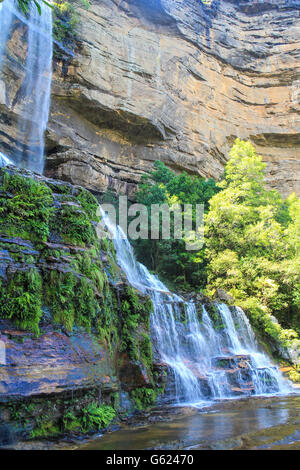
[4, 161]
[34, 94]
[207, 360]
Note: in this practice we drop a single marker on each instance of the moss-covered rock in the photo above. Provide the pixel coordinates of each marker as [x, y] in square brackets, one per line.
[65, 275]
[68, 318]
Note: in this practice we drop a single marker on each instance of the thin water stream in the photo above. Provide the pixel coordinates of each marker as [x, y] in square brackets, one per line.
[33, 102]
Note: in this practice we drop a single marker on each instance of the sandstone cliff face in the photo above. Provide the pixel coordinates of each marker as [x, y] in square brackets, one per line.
[175, 81]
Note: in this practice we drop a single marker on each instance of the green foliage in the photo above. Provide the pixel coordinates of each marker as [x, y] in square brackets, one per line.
[252, 239]
[86, 305]
[26, 207]
[25, 4]
[77, 291]
[134, 314]
[89, 203]
[45, 429]
[88, 264]
[97, 417]
[59, 295]
[71, 422]
[91, 417]
[44, 418]
[35, 417]
[74, 296]
[21, 299]
[65, 25]
[169, 258]
[73, 225]
[71, 284]
[294, 374]
[145, 347]
[107, 322]
[145, 397]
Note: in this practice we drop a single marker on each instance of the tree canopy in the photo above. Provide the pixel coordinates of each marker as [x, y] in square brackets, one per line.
[24, 5]
[170, 258]
[252, 244]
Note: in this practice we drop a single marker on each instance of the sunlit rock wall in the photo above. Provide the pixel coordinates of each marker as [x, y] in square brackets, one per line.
[176, 81]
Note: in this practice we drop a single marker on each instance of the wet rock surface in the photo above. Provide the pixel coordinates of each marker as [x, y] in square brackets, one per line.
[53, 363]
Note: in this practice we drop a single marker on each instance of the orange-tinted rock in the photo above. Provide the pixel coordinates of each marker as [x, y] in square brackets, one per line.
[169, 80]
[53, 363]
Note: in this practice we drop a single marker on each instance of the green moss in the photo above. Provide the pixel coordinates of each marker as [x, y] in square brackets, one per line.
[145, 347]
[89, 203]
[73, 225]
[65, 26]
[59, 295]
[108, 325]
[145, 397]
[66, 281]
[90, 418]
[134, 313]
[21, 299]
[45, 429]
[86, 304]
[24, 200]
[89, 265]
[215, 316]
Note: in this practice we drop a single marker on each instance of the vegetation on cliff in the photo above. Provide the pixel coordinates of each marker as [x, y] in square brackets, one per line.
[54, 270]
[44, 418]
[252, 246]
[65, 26]
[30, 213]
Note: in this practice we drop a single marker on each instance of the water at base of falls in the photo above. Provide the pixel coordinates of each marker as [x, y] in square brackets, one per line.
[34, 94]
[209, 355]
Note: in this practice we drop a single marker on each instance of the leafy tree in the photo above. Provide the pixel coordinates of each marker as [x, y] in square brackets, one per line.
[252, 240]
[169, 257]
[24, 5]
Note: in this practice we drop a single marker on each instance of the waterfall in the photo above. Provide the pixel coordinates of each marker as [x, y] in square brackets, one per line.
[4, 161]
[6, 15]
[210, 355]
[34, 93]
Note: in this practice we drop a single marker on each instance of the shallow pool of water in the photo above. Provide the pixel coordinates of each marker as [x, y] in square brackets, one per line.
[254, 423]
